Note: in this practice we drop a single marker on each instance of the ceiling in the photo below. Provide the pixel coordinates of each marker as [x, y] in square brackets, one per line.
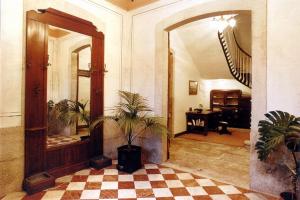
[129, 4]
[201, 41]
[57, 32]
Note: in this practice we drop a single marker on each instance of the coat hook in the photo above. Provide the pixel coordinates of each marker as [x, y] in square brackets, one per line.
[105, 70]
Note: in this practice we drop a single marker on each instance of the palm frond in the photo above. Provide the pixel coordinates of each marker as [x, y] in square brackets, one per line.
[100, 120]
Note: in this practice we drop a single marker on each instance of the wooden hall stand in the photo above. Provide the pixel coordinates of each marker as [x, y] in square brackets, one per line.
[66, 159]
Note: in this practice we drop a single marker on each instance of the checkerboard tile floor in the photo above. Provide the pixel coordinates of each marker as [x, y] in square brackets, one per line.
[150, 183]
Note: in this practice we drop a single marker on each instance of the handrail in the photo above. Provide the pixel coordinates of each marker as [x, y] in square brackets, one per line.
[239, 46]
[227, 59]
[238, 60]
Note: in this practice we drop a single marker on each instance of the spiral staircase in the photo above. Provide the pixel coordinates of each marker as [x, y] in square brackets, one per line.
[238, 60]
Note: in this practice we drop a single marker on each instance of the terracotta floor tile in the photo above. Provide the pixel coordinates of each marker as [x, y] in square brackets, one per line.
[158, 184]
[165, 198]
[152, 171]
[92, 185]
[140, 177]
[189, 183]
[108, 194]
[170, 177]
[196, 176]
[126, 185]
[97, 172]
[237, 197]
[165, 185]
[71, 194]
[110, 178]
[219, 183]
[35, 196]
[144, 193]
[243, 190]
[60, 186]
[178, 171]
[213, 190]
[179, 192]
[129, 199]
[79, 178]
[204, 197]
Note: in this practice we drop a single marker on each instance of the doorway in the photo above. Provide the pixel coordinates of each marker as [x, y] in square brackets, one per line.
[205, 151]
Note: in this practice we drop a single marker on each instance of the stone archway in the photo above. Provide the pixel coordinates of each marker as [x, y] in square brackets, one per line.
[259, 65]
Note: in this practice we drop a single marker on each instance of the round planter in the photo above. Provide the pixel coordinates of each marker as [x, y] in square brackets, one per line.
[129, 158]
[288, 196]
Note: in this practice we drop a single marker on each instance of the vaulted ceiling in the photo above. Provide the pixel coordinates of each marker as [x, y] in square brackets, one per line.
[129, 4]
[201, 41]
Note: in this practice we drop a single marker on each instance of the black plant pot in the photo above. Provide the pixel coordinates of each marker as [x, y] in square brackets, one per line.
[288, 196]
[129, 158]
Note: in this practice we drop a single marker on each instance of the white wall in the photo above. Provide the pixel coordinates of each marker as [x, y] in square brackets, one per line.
[11, 62]
[107, 18]
[283, 56]
[206, 85]
[144, 21]
[139, 75]
[150, 58]
[184, 70]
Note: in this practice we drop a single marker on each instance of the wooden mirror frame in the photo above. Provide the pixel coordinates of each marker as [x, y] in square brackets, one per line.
[80, 73]
[68, 158]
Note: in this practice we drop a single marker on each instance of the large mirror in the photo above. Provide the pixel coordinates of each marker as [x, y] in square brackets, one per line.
[68, 86]
[64, 85]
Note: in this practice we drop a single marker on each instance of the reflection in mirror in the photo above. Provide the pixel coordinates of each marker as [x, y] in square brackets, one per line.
[68, 86]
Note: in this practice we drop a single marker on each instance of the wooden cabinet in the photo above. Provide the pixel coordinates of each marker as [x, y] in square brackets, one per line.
[225, 99]
[236, 108]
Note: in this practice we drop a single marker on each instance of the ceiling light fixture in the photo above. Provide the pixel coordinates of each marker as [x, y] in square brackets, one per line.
[222, 22]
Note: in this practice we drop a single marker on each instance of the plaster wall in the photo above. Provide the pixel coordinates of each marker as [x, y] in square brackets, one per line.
[283, 88]
[107, 18]
[275, 77]
[184, 70]
[150, 57]
[283, 56]
[206, 85]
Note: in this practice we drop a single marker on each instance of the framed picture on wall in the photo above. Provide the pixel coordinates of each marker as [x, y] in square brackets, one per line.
[193, 87]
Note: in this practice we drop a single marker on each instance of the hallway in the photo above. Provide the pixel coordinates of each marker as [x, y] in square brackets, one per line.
[224, 163]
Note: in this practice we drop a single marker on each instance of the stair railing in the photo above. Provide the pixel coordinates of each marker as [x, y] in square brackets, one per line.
[238, 60]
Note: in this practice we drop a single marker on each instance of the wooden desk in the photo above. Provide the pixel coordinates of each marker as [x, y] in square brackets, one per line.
[202, 121]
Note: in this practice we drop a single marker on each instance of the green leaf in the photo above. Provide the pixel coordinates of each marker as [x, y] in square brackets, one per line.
[279, 128]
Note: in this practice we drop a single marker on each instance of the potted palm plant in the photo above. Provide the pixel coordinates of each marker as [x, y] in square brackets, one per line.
[281, 129]
[68, 112]
[134, 118]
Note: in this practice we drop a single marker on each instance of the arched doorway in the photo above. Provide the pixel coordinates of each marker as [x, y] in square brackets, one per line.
[259, 71]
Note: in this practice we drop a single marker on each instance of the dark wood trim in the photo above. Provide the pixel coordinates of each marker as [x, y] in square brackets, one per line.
[66, 21]
[180, 134]
[68, 158]
[170, 110]
[58, 172]
[239, 46]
